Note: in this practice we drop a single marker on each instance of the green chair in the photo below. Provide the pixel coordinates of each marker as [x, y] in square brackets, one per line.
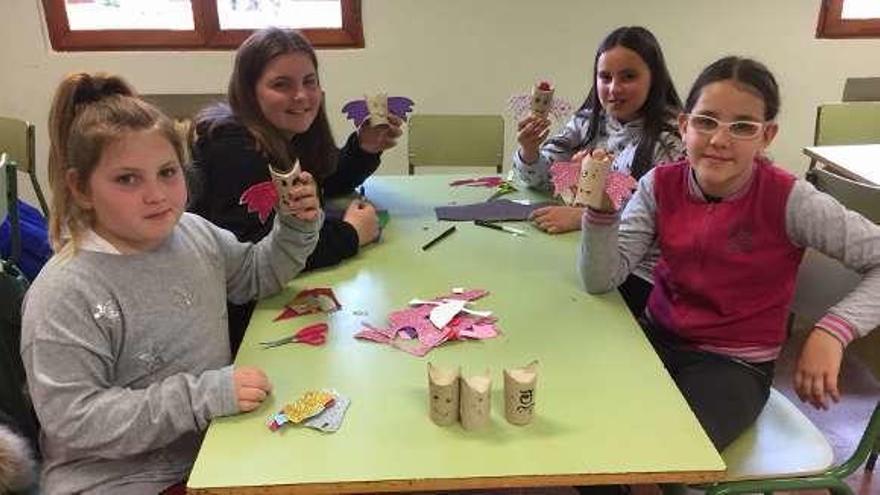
[9, 206]
[17, 141]
[784, 451]
[456, 141]
[856, 122]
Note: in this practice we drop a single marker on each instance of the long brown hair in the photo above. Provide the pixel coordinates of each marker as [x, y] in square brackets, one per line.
[662, 104]
[90, 111]
[315, 148]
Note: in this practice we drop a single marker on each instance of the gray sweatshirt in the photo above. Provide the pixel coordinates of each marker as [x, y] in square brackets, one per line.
[127, 356]
[621, 139]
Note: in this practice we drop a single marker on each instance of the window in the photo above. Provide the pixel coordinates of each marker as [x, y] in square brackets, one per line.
[849, 19]
[196, 24]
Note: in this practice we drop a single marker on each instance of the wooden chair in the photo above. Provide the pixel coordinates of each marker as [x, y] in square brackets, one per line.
[456, 141]
[17, 141]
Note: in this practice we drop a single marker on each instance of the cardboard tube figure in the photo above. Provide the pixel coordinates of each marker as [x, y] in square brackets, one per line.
[476, 392]
[443, 394]
[377, 105]
[594, 173]
[284, 182]
[542, 99]
[519, 393]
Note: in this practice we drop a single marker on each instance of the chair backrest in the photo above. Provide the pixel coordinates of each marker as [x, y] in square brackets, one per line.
[857, 196]
[456, 141]
[847, 123]
[9, 202]
[17, 141]
[861, 89]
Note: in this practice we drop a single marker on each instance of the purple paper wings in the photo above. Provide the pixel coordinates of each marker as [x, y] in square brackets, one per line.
[358, 111]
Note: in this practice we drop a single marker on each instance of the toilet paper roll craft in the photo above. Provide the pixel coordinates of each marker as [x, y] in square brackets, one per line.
[376, 108]
[476, 392]
[575, 182]
[519, 393]
[595, 167]
[262, 197]
[443, 394]
[542, 102]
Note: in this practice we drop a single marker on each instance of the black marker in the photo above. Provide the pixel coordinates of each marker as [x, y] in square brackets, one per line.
[446, 233]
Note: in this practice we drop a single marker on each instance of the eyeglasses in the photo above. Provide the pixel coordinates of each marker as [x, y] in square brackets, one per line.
[740, 129]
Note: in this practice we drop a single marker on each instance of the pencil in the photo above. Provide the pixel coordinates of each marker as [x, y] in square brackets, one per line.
[443, 235]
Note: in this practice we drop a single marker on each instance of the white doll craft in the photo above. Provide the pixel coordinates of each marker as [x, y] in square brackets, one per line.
[583, 183]
[376, 108]
[540, 102]
[262, 197]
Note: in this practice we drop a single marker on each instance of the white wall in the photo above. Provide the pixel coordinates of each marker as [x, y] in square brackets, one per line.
[471, 55]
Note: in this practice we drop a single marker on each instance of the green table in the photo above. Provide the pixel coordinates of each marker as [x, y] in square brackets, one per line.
[606, 411]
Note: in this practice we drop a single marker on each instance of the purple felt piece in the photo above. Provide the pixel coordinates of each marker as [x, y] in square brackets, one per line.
[357, 111]
[492, 211]
[400, 106]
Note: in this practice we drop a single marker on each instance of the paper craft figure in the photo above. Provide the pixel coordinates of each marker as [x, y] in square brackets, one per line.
[310, 301]
[309, 404]
[262, 197]
[542, 99]
[443, 395]
[595, 167]
[574, 182]
[519, 393]
[412, 330]
[376, 108]
[476, 392]
[284, 182]
[540, 102]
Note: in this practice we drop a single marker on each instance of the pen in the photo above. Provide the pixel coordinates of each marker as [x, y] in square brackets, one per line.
[504, 228]
[443, 235]
[362, 197]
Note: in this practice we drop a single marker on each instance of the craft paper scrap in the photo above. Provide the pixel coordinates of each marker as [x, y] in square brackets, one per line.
[310, 301]
[330, 419]
[309, 404]
[426, 324]
[492, 211]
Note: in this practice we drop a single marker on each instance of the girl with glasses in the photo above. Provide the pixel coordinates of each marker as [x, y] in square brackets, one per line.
[732, 228]
[630, 112]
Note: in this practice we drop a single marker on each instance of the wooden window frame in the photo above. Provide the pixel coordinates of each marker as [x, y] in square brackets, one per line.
[831, 25]
[207, 34]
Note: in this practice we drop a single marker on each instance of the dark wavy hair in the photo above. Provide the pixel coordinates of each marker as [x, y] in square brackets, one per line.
[752, 75]
[662, 104]
[315, 149]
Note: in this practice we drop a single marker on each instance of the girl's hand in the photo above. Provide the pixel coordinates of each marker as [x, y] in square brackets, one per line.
[815, 378]
[557, 219]
[531, 132]
[304, 203]
[251, 387]
[376, 139]
[362, 216]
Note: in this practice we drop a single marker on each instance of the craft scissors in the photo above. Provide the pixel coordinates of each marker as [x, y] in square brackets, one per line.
[312, 335]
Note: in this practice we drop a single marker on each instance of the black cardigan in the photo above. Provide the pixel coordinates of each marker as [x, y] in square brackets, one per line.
[226, 162]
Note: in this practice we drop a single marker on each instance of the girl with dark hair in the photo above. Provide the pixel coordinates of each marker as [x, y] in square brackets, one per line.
[276, 114]
[630, 112]
[124, 330]
[732, 228]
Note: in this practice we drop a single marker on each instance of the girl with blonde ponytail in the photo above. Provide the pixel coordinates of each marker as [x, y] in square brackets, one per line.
[124, 337]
